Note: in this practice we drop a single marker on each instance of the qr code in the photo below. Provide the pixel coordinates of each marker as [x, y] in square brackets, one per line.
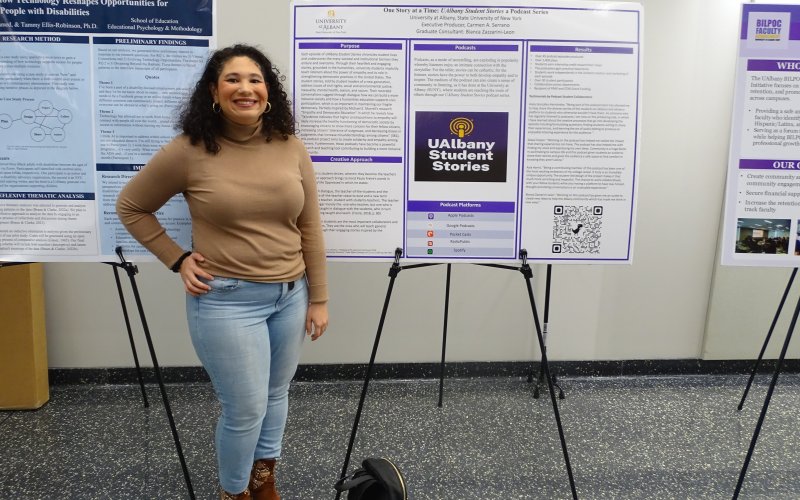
[577, 229]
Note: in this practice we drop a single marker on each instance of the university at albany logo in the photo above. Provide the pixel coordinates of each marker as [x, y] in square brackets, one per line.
[330, 23]
[460, 147]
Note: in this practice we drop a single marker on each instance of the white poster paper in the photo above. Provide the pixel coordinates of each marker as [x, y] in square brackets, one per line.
[466, 132]
[87, 95]
[762, 203]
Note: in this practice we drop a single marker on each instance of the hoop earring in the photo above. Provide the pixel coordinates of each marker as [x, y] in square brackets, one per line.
[215, 107]
[269, 108]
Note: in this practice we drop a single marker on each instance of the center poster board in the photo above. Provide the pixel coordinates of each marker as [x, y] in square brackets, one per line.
[466, 132]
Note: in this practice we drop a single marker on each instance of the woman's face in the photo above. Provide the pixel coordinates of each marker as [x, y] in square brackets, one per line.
[241, 91]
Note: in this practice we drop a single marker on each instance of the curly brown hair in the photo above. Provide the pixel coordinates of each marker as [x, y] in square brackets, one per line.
[201, 123]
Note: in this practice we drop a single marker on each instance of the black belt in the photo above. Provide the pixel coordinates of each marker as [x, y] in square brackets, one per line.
[291, 283]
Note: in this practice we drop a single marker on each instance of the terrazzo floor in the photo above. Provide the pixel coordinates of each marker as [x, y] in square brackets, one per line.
[638, 438]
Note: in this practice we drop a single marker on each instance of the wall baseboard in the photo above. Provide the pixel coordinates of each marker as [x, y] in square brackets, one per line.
[336, 372]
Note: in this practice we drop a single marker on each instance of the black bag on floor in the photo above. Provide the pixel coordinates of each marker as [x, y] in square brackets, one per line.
[377, 479]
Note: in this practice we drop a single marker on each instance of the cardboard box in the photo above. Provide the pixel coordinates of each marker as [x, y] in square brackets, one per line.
[23, 345]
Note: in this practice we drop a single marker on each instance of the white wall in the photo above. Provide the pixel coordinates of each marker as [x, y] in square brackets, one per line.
[654, 309]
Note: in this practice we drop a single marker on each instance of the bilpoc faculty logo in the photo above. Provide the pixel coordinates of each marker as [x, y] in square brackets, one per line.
[463, 147]
[769, 29]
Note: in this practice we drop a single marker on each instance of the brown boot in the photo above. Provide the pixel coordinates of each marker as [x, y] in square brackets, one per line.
[262, 480]
[224, 495]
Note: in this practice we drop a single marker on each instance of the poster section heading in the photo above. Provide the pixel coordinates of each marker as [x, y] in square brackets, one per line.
[465, 132]
[151, 17]
[762, 203]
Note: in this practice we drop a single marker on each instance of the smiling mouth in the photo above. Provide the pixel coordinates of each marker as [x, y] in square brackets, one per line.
[245, 102]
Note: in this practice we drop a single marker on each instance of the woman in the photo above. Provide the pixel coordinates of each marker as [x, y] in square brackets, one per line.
[256, 277]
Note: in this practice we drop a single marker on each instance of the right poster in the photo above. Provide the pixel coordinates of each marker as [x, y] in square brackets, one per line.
[762, 203]
[467, 131]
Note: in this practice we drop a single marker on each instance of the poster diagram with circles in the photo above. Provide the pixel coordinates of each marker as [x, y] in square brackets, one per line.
[44, 122]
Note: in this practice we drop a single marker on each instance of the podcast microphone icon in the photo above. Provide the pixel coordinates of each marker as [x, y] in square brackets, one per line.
[461, 127]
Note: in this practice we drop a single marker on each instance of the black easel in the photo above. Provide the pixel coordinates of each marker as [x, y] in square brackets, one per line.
[444, 335]
[772, 383]
[766, 340]
[114, 266]
[132, 270]
[395, 269]
[540, 380]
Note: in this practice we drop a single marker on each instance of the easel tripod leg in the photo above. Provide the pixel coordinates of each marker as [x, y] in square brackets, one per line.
[444, 336]
[540, 380]
[393, 274]
[546, 369]
[544, 339]
[130, 268]
[766, 340]
[545, 317]
[130, 334]
[767, 400]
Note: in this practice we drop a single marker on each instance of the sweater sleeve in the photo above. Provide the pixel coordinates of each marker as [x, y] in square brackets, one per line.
[163, 177]
[312, 242]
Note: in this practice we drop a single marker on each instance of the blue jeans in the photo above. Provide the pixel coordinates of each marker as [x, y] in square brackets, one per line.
[248, 336]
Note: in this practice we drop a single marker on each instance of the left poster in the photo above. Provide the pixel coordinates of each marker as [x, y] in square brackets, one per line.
[89, 90]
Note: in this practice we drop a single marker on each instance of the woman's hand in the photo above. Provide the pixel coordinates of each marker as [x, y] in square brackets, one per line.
[317, 319]
[191, 272]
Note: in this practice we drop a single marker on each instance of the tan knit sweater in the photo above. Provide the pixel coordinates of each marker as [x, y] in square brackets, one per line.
[255, 214]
